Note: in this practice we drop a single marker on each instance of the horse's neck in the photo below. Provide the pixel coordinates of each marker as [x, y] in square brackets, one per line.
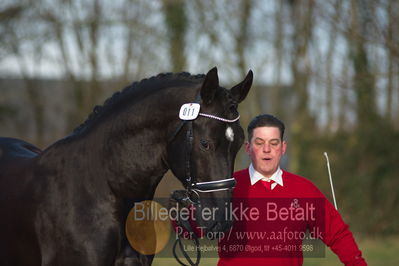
[134, 158]
[125, 152]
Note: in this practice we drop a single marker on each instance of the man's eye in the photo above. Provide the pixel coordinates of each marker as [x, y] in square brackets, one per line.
[274, 143]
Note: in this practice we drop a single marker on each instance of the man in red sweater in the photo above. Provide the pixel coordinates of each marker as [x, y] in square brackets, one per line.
[278, 215]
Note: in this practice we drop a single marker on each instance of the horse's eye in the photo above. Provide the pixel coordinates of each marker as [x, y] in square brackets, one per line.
[204, 144]
[233, 107]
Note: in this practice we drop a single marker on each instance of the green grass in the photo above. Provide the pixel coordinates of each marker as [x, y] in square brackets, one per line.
[376, 251]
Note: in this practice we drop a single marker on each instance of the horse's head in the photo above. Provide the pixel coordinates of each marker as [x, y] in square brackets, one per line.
[204, 146]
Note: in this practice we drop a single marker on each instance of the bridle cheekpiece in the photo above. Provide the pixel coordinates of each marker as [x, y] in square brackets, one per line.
[188, 113]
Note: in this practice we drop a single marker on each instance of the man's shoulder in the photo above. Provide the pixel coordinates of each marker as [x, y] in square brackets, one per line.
[294, 177]
[299, 181]
[241, 172]
[241, 175]
[242, 182]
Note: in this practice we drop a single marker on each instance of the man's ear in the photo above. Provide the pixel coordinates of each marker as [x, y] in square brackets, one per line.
[284, 147]
[247, 147]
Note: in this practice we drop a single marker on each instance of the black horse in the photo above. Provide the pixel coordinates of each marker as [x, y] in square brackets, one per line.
[66, 205]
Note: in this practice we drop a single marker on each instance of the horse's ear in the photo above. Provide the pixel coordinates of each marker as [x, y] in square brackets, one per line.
[240, 91]
[211, 83]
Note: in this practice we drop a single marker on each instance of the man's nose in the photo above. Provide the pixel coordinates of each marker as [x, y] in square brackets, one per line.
[266, 147]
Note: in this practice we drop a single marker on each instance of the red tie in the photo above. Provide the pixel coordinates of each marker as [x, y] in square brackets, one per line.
[268, 185]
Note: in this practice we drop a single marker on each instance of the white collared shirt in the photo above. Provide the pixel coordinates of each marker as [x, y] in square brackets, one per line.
[255, 176]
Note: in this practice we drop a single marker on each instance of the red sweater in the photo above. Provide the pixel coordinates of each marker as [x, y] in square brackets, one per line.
[275, 221]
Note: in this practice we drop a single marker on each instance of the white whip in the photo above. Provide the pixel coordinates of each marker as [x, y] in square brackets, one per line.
[331, 183]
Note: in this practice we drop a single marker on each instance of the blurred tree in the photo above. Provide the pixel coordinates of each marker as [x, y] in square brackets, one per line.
[176, 23]
[18, 38]
[302, 24]
[363, 79]
[6, 110]
[329, 63]
[373, 135]
[242, 36]
[82, 20]
[275, 94]
[89, 40]
[392, 45]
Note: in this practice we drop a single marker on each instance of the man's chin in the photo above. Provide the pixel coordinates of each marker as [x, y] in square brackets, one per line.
[268, 172]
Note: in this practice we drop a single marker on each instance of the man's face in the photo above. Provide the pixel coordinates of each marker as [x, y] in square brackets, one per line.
[266, 149]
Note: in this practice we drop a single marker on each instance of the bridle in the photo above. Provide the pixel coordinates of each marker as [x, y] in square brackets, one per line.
[188, 113]
[191, 184]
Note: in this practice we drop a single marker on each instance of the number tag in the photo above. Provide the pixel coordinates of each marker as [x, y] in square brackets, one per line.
[189, 111]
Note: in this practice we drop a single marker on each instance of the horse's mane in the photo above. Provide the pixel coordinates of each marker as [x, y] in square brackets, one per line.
[132, 90]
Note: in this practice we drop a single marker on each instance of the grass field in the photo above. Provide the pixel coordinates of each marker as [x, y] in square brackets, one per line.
[377, 251]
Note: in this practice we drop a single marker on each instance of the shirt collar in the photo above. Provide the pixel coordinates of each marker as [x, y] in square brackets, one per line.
[255, 176]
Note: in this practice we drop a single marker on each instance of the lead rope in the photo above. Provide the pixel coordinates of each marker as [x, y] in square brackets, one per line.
[179, 198]
[190, 261]
[187, 226]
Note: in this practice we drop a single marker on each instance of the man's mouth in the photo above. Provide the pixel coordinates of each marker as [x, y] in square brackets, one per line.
[267, 159]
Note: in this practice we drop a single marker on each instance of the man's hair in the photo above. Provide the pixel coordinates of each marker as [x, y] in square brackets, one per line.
[265, 120]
